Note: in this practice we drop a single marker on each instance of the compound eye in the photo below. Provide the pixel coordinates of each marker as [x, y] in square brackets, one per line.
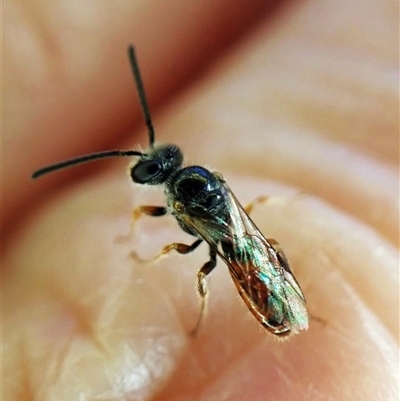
[145, 171]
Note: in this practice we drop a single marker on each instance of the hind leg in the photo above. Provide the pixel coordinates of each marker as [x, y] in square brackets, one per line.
[202, 289]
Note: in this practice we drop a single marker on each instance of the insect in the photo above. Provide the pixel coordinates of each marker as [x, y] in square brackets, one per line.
[206, 208]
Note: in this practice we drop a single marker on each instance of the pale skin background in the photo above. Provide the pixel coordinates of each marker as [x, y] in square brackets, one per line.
[299, 101]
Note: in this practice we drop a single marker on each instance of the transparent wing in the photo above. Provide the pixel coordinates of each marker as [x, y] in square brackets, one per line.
[260, 272]
[262, 275]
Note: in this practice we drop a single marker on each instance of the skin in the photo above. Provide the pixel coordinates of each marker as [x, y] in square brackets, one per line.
[303, 107]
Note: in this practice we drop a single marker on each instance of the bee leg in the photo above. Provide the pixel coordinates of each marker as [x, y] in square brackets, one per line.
[149, 210]
[183, 249]
[202, 287]
[279, 251]
[282, 258]
[154, 211]
[285, 264]
[137, 213]
[261, 199]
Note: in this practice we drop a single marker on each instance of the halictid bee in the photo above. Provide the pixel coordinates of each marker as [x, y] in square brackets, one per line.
[205, 207]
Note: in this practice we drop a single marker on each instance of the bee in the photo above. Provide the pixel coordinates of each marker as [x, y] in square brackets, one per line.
[206, 208]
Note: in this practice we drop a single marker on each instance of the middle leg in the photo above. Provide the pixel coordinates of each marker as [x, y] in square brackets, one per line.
[249, 207]
[183, 249]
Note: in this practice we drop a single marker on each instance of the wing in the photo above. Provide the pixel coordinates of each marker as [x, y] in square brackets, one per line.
[259, 270]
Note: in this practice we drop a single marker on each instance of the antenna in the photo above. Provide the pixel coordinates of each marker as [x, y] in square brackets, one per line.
[110, 153]
[141, 93]
[83, 159]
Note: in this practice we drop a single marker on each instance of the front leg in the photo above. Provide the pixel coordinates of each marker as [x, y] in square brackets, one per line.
[154, 211]
[137, 213]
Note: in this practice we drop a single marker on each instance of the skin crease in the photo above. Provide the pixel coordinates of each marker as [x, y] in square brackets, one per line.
[304, 107]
